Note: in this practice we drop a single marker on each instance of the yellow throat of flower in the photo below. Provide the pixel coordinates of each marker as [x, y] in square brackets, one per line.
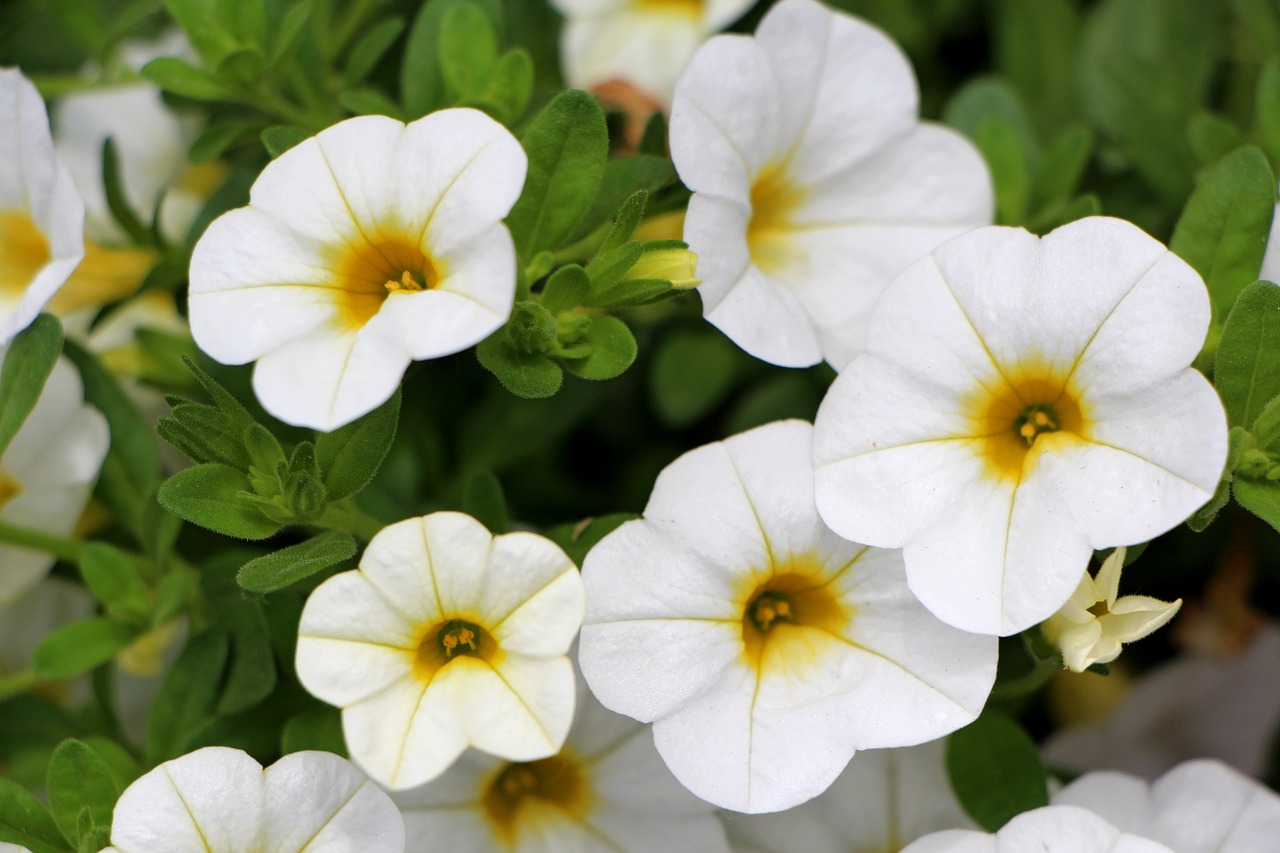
[784, 613]
[521, 795]
[774, 199]
[370, 269]
[450, 641]
[9, 488]
[24, 250]
[1028, 410]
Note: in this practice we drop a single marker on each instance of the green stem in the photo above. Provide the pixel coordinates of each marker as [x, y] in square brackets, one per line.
[13, 683]
[64, 549]
[345, 515]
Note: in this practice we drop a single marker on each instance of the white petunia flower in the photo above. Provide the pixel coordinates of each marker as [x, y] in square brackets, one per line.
[47, 473]
[1094, 623]
[1022, 402]
[883, 800]
[607, 791]
[814, 183]
[764, 648]
[1200, 806]
[41, 215]
[445, 637]
[362, 249]
[645, 43]
[1051, 829]
[220, 800]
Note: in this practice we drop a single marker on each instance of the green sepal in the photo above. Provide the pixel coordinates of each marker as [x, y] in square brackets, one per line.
[567, 288]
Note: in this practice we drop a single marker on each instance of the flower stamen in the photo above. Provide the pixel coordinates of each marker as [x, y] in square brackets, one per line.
[1034, 420]
[458, 637]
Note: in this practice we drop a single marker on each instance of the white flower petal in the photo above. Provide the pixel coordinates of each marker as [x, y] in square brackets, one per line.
[316, 801]
[646, 49]
[211, 799]
[724, 122]
[819, 58]
[1051, 829]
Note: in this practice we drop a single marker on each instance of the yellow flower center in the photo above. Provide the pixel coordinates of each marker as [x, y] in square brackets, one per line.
[454, 639]
[691, 8]
[370, 270]
[774, 198]
[9, 488]
[105, 275]
[1029, 408]
[522, 794]
[791, 613]
[24, 250]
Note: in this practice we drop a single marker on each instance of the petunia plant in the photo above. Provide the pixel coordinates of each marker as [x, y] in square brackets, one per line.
[595, 425]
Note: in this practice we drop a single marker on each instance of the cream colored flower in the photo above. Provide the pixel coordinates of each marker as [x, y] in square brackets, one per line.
[1095, 622]
[1022, 402]
[219, 800]
[445, 637]
[1051, 829]
[765, 649]
[368, 246]
[645, 43]
[47, 474]
[814, 181]
[607, 791]
[41, 215]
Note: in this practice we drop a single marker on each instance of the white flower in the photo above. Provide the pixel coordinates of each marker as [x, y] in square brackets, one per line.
[646, 43]
[1091, 627]
[883, 800]
[362, 249]
[47, 473]
[445, 637]
[1195, 705]
[1197, 807]
[814, 183]
[764, 648]
[1022, 402]
[151, 142]
[607, 791]
[1052, 829]
[220, 800]
[41, 216]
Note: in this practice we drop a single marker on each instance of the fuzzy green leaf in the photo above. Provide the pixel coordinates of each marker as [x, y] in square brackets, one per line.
[613, 349]
[287, 566]
[80, 647]
[27, 365]
[80, 780]
[995, 770]
[1247, 370]
[210, 495]
[25, 821]
[351, 455]
[177, 76]
[528, 375]
[1260, 497]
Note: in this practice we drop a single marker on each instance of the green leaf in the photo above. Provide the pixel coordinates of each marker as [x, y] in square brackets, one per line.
[653, 142]
[204, 26]
[281, 138]
[995, 770]
[27, 365]
[210, 495]
[115, 580]
[607, 269]
[351, 455]
[1062, 166]
[567, 144]
[483, 499]
[244, 20]
[1260, 497]
[1002, 148]
[80, 647]
[25, 821]
[623, 178]
[251, 673]
[241, 69]
[185, 702]
[291, 27]
[1212, 137]
[1146, 68]
[626, 222]
[986, 99]
[217, 138]
[315, 728]
[510, 86]
[578, 539]
[1224, 227]
[1036, 48]
[692, 372]
[1267, 109]
[80, 780]
[122, 766]
[1266, 427]
[287, 566]
[566, 288]
[370, 49]
[113, 188]
[528, 375]
[613, 349]
[1247, 370]
[177, 76]
[422, 85]
[468, 51]
[368, 102]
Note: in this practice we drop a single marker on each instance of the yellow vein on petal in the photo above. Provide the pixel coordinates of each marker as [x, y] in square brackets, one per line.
[303, 849]
[187, 807]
